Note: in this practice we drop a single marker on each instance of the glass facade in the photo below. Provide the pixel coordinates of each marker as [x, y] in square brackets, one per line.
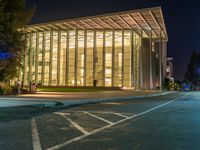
[46, 57]
[89, 57]
[40, 57]
[71, 57]
[126, 49]
[63, 52]
[136, 62]
[107, 58]
[99, 58]
[54, 58]
[117, 62]
[127, 58]
[80, 59]
[27, 60]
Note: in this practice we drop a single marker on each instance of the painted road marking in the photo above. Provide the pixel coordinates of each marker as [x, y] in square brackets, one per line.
[74, 123]
[101, 112]
[118, 114]
[109, 122]
[112, 103]
[111, 125]
[35, 135]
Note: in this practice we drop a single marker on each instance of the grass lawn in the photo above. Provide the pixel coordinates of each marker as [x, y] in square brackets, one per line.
[67, 89]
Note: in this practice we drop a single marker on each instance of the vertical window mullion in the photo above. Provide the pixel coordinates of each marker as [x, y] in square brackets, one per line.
[51, 57]
[140, 62]
[104, 56]
[122, 58]
[76, 57]
[30, 58]
[85, 55]
[67, 58]
[94, 56]
[113, 57]
[58, 57]
[36, 58]
[150, 62]
[43, 57]
[132, 59]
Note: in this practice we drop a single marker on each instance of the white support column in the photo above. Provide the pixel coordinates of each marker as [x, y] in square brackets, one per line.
[160, 60]
[140, 62]
[76, 58]
[67, 58]
[24, 69]
[85, 56]
[122, 58]
[104, 55]
[94, 56]
[58, 57]
[150, 63]
[43, 57]
[113, 57]
[51, 57]
[25, 63]
[36, 58]
[132, 59]
[30, 58]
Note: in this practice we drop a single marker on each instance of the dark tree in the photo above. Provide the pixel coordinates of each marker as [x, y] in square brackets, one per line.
[193, 70]
[13, 17]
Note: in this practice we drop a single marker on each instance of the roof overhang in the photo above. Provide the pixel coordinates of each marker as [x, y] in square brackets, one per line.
[149, 20]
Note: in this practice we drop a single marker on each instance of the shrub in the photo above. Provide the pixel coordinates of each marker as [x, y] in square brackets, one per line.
[1, 91]
[5, 89]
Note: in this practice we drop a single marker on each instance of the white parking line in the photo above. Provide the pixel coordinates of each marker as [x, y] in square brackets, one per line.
[110, 125]
[118, 114]
[73, 123]
[109, 122]
[100, 112]
[35, 135]
[108, 113]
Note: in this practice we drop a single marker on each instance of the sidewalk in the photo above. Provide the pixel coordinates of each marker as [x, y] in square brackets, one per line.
[76, 98]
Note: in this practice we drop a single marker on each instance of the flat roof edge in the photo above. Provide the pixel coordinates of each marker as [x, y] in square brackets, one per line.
[94, 16]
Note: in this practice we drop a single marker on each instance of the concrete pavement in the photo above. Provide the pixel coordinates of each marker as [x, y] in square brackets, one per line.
[84, 95]
[73, 98]
[12, 102]
[154, 123]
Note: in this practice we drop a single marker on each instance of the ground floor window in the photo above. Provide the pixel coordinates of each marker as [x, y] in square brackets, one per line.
[83, 58]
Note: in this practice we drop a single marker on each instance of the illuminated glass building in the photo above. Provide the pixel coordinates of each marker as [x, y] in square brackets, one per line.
[125, 49]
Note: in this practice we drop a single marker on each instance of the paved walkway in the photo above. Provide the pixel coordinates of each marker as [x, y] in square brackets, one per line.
[11, 102]
[73, 98]
[64, 96]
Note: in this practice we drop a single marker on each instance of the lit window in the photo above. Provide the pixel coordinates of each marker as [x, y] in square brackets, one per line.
[108, 60]
[120, 59]
[108, 71]
[153, 47]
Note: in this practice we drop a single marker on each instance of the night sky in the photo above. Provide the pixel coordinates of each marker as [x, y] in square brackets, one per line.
[182, 20]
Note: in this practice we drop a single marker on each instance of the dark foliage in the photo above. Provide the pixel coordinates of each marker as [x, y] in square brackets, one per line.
[13, 18]
[193, 70]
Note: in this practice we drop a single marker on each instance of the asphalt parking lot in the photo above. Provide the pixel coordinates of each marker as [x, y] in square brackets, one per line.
[149, 123]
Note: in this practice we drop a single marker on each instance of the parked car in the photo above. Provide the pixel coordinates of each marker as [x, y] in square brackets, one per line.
[186, 87]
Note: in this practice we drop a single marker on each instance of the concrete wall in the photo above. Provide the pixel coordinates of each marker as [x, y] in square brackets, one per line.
[145, 57]
[155, 66]
[150, 63]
